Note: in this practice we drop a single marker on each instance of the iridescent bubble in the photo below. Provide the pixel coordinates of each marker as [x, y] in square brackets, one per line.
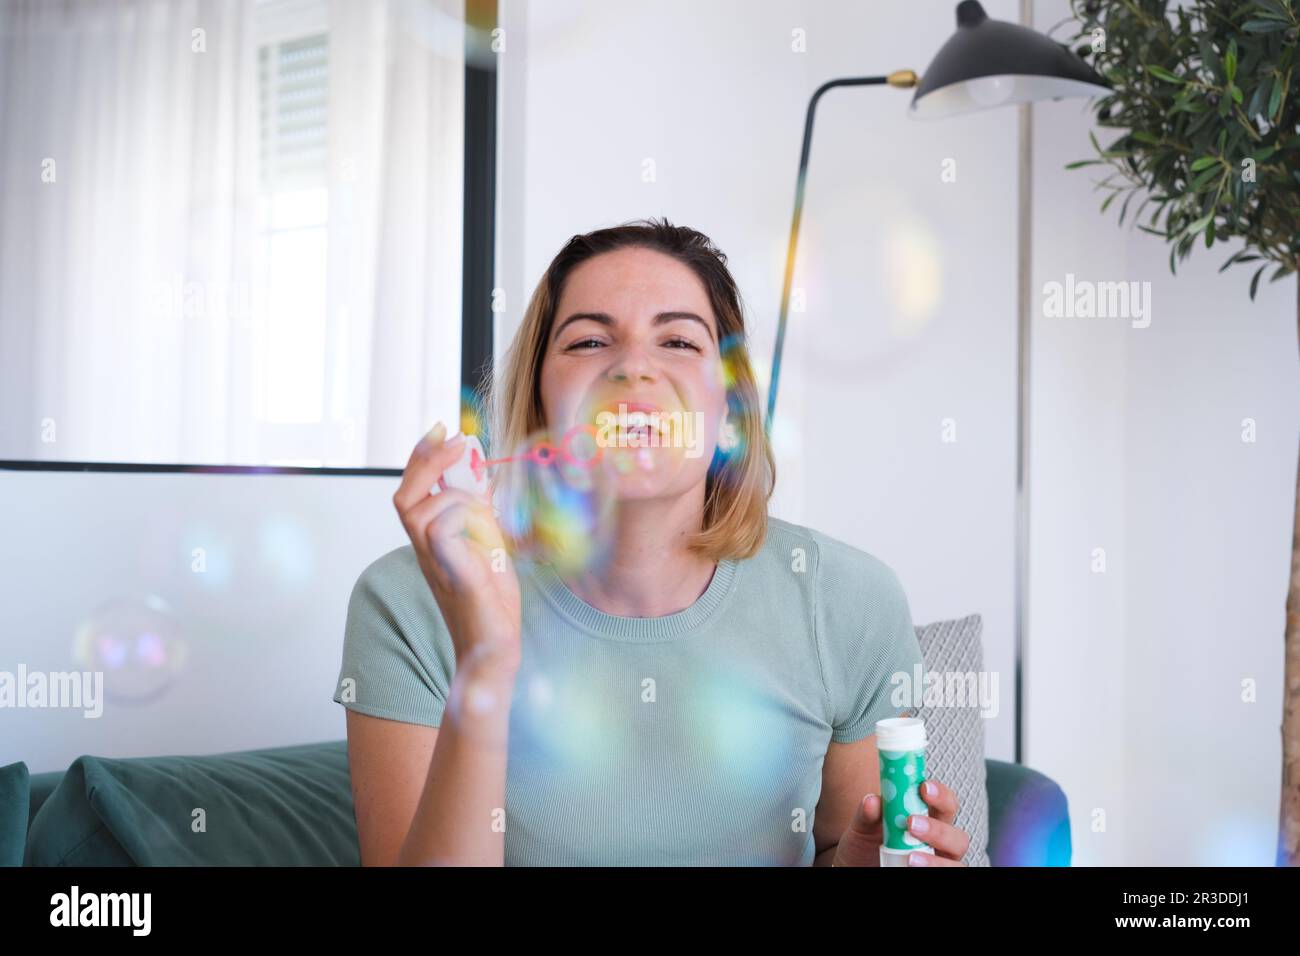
[555, 502]
[137, 643]
[731, 350]
[743, 729]
[473, 414]
[286, 551]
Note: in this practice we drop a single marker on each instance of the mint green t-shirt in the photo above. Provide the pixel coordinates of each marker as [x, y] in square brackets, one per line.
[696, 738]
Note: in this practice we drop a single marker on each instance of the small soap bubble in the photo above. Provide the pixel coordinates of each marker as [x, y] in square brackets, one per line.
[137, 643]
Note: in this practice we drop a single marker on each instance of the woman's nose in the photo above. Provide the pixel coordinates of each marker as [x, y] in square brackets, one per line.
[632, 362]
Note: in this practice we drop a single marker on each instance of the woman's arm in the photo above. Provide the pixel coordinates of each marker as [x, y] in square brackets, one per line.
[435, 795]
[438, 798]
[849, 772]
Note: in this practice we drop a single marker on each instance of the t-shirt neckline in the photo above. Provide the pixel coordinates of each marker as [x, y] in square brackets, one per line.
[632, 629]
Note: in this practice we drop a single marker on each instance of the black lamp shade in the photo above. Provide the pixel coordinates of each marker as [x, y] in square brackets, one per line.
[989, 63]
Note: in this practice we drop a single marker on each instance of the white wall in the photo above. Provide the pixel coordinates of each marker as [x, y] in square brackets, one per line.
[262, 624]
[910, 281]
[1135, 675]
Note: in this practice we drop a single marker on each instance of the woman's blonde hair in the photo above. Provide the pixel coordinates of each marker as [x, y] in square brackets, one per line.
[740, 480]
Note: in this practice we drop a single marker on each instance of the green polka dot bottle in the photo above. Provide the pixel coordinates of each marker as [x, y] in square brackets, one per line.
[901, 744]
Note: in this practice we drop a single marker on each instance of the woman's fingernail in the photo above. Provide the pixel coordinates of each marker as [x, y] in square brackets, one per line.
[436, 433]
[918, 859]
[930, 789]
[919, 825]
[453, 442]
[866, 801]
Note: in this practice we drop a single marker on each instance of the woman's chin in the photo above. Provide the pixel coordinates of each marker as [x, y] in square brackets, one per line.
[642, 473]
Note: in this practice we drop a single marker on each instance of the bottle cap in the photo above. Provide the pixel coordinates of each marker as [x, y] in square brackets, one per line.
[900, 733]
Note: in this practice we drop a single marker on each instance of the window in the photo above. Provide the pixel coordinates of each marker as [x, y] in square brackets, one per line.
[247, 249]
[294, 351]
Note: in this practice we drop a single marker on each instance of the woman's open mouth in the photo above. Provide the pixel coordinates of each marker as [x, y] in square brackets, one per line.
[634, 427]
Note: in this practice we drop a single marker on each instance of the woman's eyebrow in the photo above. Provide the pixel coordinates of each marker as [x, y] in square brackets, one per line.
[604, 318]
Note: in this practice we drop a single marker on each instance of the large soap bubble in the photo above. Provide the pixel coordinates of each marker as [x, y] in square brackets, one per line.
[556, 501]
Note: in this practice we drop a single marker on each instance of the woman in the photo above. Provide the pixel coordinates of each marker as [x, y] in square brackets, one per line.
[705, 695]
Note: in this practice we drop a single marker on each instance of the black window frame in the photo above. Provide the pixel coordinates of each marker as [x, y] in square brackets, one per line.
[479, 238]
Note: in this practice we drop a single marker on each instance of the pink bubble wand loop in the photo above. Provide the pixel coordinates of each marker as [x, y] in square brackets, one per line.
[546, 453]
[469, 473]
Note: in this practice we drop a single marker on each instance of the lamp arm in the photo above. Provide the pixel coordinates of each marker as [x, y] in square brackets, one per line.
[901, 79]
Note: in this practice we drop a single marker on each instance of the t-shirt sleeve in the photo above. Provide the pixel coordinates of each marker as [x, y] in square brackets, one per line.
[871, 657]
[398, 658]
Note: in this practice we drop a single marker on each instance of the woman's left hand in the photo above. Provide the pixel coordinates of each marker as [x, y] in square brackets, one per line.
[860, 844]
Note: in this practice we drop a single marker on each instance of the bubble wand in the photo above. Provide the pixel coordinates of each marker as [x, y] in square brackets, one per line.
[469, 473]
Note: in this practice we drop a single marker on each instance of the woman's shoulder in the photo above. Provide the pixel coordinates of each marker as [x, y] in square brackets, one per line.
[393, 566]
[829, 558]
[393, 579]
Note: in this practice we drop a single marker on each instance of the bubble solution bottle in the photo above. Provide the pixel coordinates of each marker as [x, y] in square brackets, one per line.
[900, 742]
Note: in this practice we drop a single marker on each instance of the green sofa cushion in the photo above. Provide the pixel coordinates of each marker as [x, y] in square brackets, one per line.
[13, 813]
[1029, 817]
[287, 806]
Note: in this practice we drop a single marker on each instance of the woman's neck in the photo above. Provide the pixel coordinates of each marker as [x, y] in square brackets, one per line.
[650, 571]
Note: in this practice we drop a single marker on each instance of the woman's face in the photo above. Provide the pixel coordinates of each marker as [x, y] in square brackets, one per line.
[635, 326]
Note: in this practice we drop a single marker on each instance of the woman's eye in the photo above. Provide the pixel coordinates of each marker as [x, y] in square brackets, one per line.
[581, 344]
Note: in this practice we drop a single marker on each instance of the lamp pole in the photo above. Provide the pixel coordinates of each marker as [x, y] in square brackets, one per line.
[901, 79]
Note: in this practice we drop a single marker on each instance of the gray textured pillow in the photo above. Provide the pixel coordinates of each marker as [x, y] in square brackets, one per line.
[955, 755]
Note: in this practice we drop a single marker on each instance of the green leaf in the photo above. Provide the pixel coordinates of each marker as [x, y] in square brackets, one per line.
[1230, 61]
[1083, 162]
[1142, 136]
[1263, 26]
[1161, 73]
[1203, 179]
[1124, 209]
[1237, 95]
[1254, 282]
[1275, 99]
[1257, 100]
[1203, 162]
[1238, 257]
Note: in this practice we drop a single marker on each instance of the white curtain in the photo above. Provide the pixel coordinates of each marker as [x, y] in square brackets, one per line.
[127, 163]
[129, 198]
[397, 113]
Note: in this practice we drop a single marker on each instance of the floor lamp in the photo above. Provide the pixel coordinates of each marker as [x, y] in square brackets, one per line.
[986, 63]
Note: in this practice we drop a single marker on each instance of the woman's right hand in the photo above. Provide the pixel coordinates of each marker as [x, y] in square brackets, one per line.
[463, 555]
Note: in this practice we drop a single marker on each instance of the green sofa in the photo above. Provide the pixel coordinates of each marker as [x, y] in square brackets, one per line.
[292, 806]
